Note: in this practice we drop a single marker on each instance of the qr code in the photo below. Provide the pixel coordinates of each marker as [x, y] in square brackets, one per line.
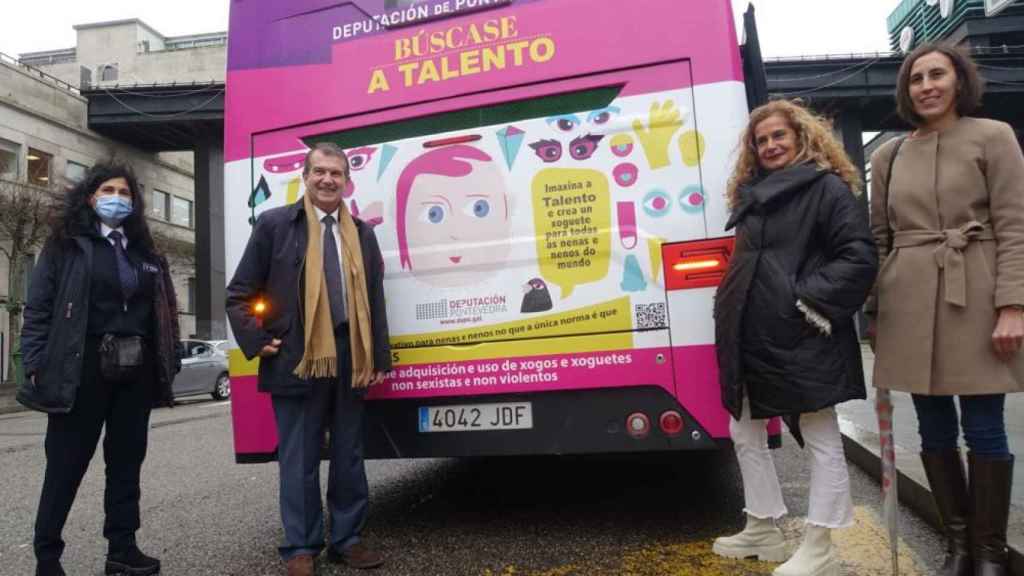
[650, 315]
[432, 310]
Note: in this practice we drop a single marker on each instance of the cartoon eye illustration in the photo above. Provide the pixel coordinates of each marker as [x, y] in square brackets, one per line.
[657, 203]
[691, 199]
[283, 164]
[625, 174]
[479, 208]
[564, 123]
[360, 157]
[602, 116]
[547, 150]
[622, 145]
[584, 147]
[433, 213]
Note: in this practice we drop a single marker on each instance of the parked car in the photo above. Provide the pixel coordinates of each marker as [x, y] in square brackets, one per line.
[204, 370]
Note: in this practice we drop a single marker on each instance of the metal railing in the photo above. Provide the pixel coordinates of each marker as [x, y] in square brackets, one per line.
[974, 51]
[33, 71]
[193, 44]
[828, 57]
[198, 84]
[49, 59]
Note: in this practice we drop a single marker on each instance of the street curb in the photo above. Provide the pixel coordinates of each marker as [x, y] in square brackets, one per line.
[862, 448]
[8, 403]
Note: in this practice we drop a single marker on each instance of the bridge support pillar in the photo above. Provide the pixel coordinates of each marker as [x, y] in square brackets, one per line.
[209, 214]
[851, 130]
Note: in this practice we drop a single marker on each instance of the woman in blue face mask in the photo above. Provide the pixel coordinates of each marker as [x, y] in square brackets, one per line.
[99, 350]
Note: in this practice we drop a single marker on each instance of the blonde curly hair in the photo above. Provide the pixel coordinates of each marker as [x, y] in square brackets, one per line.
[816, 141]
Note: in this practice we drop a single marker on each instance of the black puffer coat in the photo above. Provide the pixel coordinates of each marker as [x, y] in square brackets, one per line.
[800, 235]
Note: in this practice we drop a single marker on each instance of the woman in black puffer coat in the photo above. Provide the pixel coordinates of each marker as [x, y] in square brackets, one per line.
[784, 321]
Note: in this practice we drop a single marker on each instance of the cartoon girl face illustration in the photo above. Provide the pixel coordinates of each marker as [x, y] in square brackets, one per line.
[453, 216]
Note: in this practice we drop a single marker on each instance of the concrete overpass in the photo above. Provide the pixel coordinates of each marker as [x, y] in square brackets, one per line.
[177, 117]
[865, 84]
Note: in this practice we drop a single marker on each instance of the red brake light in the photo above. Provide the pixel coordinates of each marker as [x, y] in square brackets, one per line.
[671, 423]
[698, 264]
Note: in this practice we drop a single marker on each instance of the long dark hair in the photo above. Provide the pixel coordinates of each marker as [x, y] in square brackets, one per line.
[78, 217]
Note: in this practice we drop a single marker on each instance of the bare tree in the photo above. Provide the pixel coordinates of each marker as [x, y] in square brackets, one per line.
[25, 212]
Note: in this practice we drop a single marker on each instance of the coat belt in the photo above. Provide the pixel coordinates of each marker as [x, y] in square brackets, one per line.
[949, 254]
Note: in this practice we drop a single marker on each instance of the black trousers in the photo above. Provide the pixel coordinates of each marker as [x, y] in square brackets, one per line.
[71, 439]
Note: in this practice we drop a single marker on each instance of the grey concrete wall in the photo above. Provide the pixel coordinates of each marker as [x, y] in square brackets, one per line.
[195, 64]
[107, 45]
[20, 88]
[120, 45]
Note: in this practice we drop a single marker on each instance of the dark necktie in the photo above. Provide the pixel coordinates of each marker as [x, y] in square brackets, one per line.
[332, 271]
[125, 270]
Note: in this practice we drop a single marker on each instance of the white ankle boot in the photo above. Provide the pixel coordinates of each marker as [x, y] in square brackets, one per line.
[816, 555]
[761, 538]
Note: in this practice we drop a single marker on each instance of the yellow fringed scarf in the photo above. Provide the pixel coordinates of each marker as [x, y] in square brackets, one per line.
[319, 360]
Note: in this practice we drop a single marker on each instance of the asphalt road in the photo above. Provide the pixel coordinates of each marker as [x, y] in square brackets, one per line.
[540, 516]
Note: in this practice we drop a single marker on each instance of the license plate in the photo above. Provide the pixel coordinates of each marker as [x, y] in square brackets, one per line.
[474, 417]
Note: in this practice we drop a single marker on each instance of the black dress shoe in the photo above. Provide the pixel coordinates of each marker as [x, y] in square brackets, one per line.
[132, 562]
[49, 568]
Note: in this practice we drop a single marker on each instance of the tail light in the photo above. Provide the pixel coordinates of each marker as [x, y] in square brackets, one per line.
[671, 423]
[697, 264]
[638, 425]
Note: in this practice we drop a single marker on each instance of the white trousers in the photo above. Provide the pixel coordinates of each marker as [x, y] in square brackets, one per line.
[830, 505]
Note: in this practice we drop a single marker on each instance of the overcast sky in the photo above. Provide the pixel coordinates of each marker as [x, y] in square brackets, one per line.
[786, 27]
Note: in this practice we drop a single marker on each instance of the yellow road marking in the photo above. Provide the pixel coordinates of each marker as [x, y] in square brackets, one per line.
[863, 550]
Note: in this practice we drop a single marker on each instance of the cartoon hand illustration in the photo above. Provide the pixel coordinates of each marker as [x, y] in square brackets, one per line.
[664, 121]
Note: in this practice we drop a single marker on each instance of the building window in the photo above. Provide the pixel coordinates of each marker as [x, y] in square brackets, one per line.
[75, 172]
[39, 167]
[9, 152]
[108, 73]
[28, 263]
[190, 306]
[181, 212]
[161, 206]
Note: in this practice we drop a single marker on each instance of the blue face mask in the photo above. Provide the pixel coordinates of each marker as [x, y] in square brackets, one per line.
[112, 210]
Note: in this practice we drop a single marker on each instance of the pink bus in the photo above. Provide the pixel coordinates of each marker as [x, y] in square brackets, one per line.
[546, 180]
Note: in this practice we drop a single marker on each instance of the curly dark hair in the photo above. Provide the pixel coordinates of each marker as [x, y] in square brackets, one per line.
[78, 217]
[970, 85]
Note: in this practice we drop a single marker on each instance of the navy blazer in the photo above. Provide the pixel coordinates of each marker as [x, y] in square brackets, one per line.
[272, 269]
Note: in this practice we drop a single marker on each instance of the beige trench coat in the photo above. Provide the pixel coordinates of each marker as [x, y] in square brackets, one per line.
[956, 213]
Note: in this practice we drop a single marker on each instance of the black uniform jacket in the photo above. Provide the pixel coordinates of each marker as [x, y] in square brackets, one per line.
[272, 269]
[53, 337]
[800, 235]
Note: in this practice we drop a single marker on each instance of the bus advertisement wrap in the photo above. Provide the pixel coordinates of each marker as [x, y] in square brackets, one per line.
[523, 168]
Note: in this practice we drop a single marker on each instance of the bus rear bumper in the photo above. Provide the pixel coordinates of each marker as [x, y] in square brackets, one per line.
[563, 422]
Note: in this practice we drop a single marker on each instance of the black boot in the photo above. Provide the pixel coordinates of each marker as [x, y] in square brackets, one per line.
[49, 568]
[127, 559]
[991, 481]
[945, 471]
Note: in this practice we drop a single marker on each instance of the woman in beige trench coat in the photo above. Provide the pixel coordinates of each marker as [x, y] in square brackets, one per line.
[947, 212]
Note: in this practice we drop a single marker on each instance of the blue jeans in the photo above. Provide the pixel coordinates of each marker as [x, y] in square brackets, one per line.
[981, 417]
